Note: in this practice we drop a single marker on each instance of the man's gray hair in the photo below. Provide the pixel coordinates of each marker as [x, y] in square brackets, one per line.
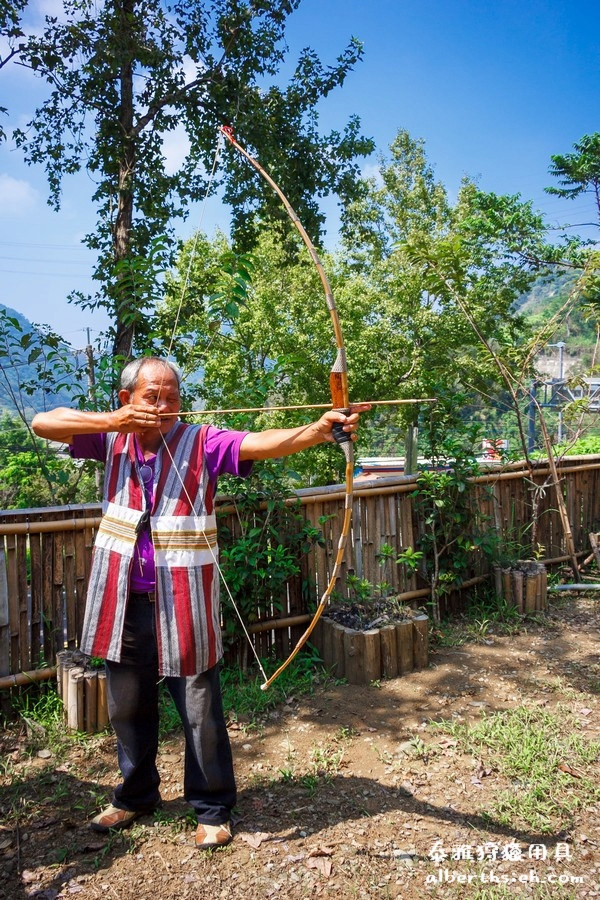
[131, 372]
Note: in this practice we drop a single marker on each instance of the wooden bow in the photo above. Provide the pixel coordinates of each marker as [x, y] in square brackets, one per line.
[338, 383]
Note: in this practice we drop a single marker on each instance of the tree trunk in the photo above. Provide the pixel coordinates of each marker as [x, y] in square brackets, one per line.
[124, 328]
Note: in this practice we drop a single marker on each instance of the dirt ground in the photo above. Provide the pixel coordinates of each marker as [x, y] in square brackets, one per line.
[349, 792]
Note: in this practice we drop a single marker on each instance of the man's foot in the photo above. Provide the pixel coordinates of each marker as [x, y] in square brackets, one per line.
[113, 819]
[211, 837]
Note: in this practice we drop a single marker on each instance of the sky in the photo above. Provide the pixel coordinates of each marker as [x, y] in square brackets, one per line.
[493, 88]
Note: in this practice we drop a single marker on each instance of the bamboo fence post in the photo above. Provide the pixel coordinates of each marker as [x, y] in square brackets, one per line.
[62, 658]
[562, 507]
[4, 618]
[498, 581]
[531, 585]
[90, 692]
[102, 703]
[517, 579]
[75, 699]
[507, 585]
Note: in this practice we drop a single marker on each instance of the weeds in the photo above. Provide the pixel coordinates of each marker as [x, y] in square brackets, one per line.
[485, 615]
[545, 758]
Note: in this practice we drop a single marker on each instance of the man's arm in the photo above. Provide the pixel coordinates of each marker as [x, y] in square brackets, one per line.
[277, 442]
[62, 424]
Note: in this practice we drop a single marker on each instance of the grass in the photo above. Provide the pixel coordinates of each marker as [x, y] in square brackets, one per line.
[485, 615]
[325, 761]
[528, 746]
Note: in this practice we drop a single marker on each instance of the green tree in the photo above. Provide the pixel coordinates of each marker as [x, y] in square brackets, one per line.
[123, 74]
[33, 474]
[431, 262]
[579, 172]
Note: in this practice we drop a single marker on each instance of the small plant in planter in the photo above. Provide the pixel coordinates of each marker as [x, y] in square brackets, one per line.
[373, 634]
[371, 606]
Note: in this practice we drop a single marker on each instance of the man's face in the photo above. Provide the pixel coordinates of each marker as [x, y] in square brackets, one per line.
[157, 386]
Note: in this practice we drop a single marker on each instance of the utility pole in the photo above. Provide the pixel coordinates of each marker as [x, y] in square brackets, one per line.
[561, 349]
[531, 417]
[89, 352]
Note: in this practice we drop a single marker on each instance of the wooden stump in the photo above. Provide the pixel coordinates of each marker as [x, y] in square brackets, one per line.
[525, 586]
[517, 589]
[404, 636]
[362, 656]
[389, 651]
[420, 642]
[83, 692]
[366, 656]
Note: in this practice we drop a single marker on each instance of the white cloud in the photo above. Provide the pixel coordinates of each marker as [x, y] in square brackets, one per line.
[371, 170]
[17, 197]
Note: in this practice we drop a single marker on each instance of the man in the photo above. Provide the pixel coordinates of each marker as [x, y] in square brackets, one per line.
[152, 607]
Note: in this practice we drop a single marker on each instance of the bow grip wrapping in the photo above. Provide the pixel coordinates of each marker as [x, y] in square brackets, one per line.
[341, 436]
[338, 385]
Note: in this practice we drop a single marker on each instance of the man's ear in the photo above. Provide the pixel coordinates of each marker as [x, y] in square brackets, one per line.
[124, 397]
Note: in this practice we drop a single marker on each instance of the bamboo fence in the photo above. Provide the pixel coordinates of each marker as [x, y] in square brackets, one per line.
[45, 553]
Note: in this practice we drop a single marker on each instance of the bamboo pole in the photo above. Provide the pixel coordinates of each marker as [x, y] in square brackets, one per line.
[90, 693]
[21, 678]
[102, 703]
[43, 527]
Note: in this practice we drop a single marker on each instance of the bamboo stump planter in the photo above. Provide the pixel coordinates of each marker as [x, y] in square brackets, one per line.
[524, 585]
[365, 656]
[83, 692]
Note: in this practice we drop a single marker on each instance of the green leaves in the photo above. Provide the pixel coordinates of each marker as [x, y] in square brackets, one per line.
[119, 84]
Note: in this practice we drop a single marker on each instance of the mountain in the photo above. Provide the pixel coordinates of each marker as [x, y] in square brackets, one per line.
[577, 330]
[28, 356]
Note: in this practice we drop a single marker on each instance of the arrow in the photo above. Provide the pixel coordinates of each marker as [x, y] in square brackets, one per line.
[250, 409]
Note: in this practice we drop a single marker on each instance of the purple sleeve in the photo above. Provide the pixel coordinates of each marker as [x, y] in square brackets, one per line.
[222, 453]
[88, 446]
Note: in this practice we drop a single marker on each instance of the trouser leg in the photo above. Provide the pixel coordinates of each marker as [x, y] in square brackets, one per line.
[209, 782]
[132, 692]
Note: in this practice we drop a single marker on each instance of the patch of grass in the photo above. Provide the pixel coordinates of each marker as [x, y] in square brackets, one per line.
[528, 746]
[485, 615]
[324, 762]
[243, 697]
[326, 759]
[176, 822]
[42, 711]
[244, 700]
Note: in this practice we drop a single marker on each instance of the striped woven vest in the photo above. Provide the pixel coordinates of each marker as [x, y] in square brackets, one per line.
[185, 546]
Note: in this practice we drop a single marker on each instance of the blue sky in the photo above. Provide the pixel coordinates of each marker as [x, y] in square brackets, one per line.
[494, 89]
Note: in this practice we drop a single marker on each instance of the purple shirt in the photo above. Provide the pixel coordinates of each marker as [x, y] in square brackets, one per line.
[221, 457]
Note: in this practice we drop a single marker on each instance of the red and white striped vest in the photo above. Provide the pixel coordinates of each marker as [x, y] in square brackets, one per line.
[184, 535]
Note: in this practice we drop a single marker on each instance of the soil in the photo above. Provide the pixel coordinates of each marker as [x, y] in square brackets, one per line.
[348, 792]
[375, 614]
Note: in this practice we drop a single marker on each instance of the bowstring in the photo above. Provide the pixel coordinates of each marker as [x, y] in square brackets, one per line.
[216, 562]
[186, 281]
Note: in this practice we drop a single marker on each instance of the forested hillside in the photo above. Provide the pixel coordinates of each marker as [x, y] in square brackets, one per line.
[577, 329]
[24, 360]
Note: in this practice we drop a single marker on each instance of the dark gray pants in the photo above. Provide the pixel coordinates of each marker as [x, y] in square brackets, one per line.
[132, 688]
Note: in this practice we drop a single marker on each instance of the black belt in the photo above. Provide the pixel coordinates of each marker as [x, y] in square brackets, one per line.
[146, 596]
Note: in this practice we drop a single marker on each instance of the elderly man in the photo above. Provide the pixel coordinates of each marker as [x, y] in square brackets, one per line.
[152, 606]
